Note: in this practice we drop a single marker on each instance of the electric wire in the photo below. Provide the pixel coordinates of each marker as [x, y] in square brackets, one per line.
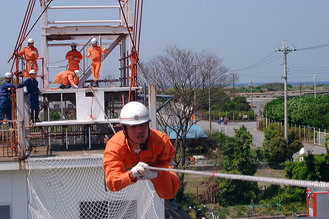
[314, 47]
[264, 61]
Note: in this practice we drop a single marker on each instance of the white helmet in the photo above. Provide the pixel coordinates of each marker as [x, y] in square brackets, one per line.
[77, 72]
[8, 75]
[32, 71]
[134, 113]
[73, 44]
[30, 40]
[93, 40]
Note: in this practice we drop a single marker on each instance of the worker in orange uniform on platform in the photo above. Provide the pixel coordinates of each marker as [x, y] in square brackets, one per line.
[31, 55]
[74, 57]
[67, 79]
[95, 52]
[130, 152]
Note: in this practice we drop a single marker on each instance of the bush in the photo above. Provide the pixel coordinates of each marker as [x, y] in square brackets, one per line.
[275, 147]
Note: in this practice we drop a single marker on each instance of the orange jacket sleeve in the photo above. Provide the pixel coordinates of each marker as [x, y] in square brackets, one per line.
[104, 50]
[167, 183]
[20, 53]
[117, 160]
[88, 54]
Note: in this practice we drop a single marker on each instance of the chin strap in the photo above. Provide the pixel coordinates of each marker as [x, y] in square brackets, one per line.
[142, 146]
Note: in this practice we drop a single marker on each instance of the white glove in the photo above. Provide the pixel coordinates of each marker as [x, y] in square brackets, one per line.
[139, 170]
[75, 86]
[34, 52]
[150, 174]
[75, 58]
[9, 88]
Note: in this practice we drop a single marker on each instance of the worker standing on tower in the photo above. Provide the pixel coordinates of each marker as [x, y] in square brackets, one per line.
[95, 52]
[67, 79]
[129, 153]
[74, 57]
[33, 95]
[5, 102]
[31, 55]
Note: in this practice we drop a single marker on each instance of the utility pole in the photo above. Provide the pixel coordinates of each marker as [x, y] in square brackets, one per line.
[209, 100]
[251, 95]
[300, 89]
[233, 80]
[314, 86]
[285, 50]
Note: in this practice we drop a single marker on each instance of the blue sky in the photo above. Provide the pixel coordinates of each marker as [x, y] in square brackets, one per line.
[241, 32]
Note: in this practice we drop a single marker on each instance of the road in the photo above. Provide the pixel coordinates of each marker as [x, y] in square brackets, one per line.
[258, 136]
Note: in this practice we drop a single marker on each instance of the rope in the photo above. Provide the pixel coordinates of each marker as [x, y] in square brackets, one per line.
[99, 104]
[278, 181]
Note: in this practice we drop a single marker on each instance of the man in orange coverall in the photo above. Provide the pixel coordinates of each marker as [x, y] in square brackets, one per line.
[66, 79]
[95, 52]
[129, 153]
[74, 57]
[31, 55]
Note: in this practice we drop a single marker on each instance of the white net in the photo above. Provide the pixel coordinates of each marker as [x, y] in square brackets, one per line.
[73, 187]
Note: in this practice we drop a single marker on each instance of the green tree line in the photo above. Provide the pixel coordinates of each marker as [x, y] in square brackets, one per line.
[306, 110]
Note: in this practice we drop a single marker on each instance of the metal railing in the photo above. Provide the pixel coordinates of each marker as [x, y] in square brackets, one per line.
[8, 140]
[306, 133]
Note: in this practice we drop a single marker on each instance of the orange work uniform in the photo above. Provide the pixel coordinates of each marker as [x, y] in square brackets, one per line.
[66, 78]
[118, 157]
[31, 55]
[96, 57]
[74, 57]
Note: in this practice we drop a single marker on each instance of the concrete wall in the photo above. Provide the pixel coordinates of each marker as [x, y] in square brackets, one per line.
[13, 192]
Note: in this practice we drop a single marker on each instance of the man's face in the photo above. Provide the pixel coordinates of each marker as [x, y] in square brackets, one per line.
[94, 44]
[31, 45]
[74, 47]
[138, 133]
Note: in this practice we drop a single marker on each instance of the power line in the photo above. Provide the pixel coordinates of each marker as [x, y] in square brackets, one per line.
[264, 61]
[272, 57]
[314, 47]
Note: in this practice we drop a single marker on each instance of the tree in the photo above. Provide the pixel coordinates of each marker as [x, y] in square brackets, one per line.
[186, 76]
[275, 148]
[238, 158]
[237, 153]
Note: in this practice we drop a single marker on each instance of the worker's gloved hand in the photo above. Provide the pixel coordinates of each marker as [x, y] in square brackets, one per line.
[75, 58]
[9, 88]
[75, 86]
[139, 170]
[150, 174]
[34, 52]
